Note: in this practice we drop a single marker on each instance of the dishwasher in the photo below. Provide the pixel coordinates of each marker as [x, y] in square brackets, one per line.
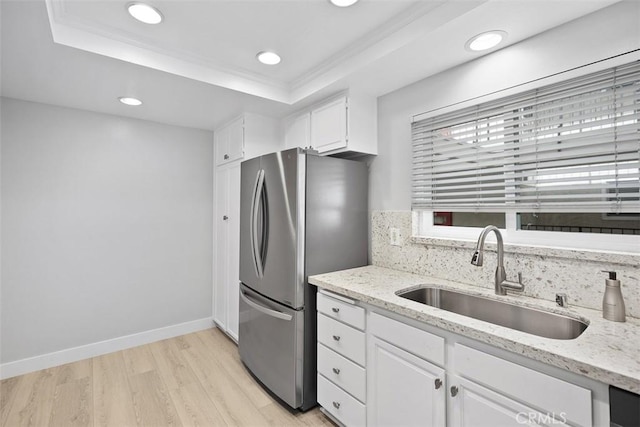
[624, 408]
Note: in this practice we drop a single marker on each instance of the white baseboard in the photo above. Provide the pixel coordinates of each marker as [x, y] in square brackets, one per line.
[23, 366]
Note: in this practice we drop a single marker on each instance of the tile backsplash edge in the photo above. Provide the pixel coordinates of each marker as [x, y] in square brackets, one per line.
[546, 271]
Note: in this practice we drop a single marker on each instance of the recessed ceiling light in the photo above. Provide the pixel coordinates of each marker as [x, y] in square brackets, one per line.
[145, 13]
[130, 101]
[343, 3]
[269, 58]
[485, 41]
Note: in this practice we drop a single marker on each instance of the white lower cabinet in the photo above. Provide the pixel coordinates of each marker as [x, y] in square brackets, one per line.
[558, 401]
[341, 359]
[422, 376]
[342, 372]
[340, 404]
[405, 390]
[341, 338]
[472, 405]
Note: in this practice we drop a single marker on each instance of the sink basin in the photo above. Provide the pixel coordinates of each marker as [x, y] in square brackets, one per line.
[525, 319]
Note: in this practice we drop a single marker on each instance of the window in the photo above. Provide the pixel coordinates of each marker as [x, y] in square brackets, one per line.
[561, 158]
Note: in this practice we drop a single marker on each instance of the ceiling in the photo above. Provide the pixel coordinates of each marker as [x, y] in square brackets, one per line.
[198, 67]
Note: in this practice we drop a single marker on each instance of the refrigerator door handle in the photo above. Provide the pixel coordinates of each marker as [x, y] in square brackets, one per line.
[255, 209]
[265, 310]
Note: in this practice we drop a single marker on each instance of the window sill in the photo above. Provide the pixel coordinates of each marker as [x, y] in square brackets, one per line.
[622, 258]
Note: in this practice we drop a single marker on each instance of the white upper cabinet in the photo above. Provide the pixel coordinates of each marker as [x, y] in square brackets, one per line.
[347, 123]
[245, 137]
[329, 126]
[229, 142]
[298, 132]
[236, 139]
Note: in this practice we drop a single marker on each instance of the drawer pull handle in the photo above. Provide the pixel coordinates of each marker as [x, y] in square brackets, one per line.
[336, 405]
[454, 391]
[335, 309]
[336, 337]
[226, 157]
[438, 383]
[336, 371]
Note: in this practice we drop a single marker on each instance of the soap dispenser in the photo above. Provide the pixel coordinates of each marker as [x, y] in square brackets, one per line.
[612, 303]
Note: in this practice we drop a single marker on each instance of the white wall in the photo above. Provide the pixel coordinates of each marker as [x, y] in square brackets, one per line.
[106, 228]
[611, 31]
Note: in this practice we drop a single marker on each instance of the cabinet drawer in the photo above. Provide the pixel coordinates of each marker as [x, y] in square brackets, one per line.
[340, 310]
[408, 338]
[535, 389]
[340, 404]
[342, 372]
[341, 338]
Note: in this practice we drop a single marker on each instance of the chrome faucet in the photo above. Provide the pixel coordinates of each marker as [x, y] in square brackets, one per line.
[501, 282]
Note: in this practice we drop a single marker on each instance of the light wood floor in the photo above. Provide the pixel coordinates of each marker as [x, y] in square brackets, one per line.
[192, 380]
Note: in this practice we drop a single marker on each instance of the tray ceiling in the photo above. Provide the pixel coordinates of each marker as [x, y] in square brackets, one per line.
[198, 67]
[216, 41]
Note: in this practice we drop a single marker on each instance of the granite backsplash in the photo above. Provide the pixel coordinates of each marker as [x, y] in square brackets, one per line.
[545, 272]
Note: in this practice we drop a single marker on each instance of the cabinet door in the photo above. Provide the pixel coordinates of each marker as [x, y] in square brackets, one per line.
[403, 389]
[329, 126]
[233, 249]
[227, 248]
[472, 405]
[221, 142]
[236, 140]
[229, 142]
[298, 132]
[549, 394]
[220, 244]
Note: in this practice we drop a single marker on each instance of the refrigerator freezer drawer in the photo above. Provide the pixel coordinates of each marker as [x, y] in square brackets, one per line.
[271, 344]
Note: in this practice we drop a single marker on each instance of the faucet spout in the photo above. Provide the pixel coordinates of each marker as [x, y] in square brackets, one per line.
[477, 255]
[501, 282]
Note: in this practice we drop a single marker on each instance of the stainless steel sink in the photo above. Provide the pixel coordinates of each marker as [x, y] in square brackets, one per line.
[525, 319]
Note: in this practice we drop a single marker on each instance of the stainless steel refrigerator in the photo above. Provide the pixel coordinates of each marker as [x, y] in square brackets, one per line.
[300, 214]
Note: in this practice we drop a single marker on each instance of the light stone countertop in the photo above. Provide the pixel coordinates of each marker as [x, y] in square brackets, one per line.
[606, 351]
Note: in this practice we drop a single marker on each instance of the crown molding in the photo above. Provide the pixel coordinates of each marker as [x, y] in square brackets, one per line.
[104, 40]
[406, 27]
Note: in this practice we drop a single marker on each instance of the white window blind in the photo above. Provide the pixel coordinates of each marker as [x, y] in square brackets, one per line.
[567, 147]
